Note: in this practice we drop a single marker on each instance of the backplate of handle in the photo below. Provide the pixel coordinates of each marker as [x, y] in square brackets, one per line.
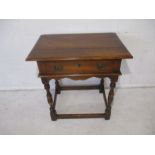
[100, 66]
[58, 68]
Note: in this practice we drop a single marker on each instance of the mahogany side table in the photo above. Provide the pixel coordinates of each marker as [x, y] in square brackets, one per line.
[79, 57]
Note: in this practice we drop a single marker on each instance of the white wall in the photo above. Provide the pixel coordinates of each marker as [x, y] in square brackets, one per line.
[17, 37]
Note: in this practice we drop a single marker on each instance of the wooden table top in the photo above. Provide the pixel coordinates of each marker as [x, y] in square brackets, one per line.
[93, 46]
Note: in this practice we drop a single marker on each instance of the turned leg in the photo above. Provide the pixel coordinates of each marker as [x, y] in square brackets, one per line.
[102, 90]
[49, 98]
[113, 81]
[101, 86]
[58, 88]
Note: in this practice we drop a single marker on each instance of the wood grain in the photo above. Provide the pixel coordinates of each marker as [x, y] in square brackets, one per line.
[78, 47]
[79, 67]
[79, 57]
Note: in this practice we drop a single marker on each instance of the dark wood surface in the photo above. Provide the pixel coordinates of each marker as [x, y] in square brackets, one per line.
[78, 47]
[78, 67]
[78, 57]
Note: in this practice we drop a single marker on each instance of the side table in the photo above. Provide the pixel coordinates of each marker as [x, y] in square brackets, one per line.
[79, 57]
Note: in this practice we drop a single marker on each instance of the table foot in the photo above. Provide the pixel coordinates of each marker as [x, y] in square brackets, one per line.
[53, 114]
[107, 113]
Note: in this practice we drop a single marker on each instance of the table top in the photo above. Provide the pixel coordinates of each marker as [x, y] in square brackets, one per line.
[93, 46]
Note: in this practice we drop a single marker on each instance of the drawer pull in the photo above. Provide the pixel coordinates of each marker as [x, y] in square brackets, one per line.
[100, 66]
[78, 65]
[58, 68]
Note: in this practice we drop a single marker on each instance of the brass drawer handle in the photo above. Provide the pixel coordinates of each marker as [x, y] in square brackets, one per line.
[100, 66]
[58, 68]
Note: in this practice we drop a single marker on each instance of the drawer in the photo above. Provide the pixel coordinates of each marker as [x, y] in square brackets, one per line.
[78, 67]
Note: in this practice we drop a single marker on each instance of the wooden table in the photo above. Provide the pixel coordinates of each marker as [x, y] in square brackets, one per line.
[79, 57]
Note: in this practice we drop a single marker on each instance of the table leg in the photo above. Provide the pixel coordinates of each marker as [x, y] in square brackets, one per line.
[58, 88]
[101, 85]
[113, 81]
[49, 98]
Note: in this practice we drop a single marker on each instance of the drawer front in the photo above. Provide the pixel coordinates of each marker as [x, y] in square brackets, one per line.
[79, 67]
